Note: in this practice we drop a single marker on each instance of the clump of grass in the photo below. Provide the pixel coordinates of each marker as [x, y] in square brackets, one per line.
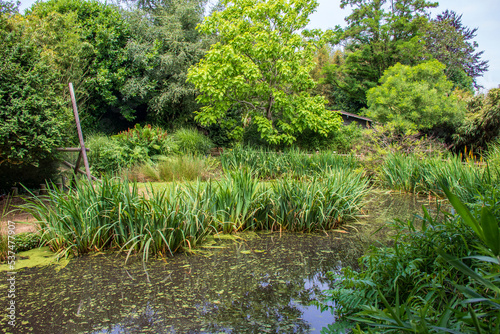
[493, 155]
[175, 168]
[411, 173]
[318, 204]
[115, 215]
[291, 163]
[191, 141]
[236, 198]
[186, 167]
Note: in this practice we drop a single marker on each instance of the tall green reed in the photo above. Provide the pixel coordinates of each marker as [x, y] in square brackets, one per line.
[291, 163]
[116, 215]
[320, 203]
[413, 174]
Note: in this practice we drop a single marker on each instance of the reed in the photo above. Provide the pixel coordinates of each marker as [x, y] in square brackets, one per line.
[291, 163]
[236, 199]
[116, 215]
[318, 204]
[412, 174]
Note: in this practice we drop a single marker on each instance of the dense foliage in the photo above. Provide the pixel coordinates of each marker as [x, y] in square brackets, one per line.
[377, 37]
[115, 214]
[260, 67]
[439, 277]
[256, 75]
[415, 98]
[450, 42]
[482, 123]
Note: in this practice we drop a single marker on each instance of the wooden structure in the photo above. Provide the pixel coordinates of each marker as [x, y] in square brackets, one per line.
[82, 155]
[348, 118]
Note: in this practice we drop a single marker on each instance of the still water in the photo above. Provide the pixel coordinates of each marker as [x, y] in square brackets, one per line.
[256, 283]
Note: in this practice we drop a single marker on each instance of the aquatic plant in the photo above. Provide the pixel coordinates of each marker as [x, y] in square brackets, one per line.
[236, 198]
[440, 277]
[291, 163]
[413, 174]
[318, 204]
[116, 215]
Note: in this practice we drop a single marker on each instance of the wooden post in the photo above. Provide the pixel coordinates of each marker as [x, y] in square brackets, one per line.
[83, 151]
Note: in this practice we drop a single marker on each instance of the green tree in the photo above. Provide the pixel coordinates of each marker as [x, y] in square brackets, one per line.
[9, 7]
[378, 35]
[450, 42]
[104, 69]
[415, 98]
[482, 123]
[33, 113]
[261, 68]
[163, 44]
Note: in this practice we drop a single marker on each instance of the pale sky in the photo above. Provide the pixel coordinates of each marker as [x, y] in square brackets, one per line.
[482, 14]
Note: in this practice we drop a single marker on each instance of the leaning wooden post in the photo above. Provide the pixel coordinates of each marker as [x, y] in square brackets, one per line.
[83, 151]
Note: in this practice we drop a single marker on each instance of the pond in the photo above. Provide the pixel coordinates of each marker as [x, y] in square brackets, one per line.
[254, 283]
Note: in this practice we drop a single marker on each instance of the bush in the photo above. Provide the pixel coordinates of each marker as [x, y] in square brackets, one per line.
[128, 148]
[415, 98]
[34, 116]
[442, 277]
[482, 124]
[27, 241]
[342, 140]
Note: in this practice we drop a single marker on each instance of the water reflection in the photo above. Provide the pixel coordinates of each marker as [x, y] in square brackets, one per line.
[263, 283]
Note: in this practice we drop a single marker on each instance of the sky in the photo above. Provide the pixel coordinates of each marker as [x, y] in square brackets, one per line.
[481, 14]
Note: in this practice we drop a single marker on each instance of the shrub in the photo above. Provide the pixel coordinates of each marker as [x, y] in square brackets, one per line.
[34, 117]
[482, 124]
[415, 98]
[128, 148]
[26, 241]
[342, 140]
[430, 280]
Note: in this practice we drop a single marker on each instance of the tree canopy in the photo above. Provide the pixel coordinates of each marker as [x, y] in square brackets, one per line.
[261, 66]
[450, 42]
[378, 35]
[415, 98]
[33, 113]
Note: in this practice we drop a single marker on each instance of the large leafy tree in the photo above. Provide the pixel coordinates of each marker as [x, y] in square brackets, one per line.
[164, 43]
[33, 113]
[378, 35]
[415, 98]
[9, 7]
[261, 68]
[450, 42]
[103, 65]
